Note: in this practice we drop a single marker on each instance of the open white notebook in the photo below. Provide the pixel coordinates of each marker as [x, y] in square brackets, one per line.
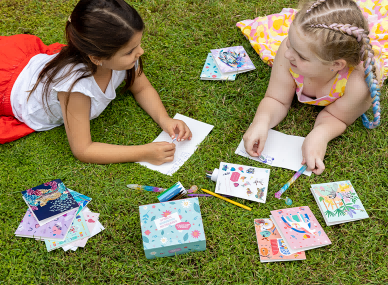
[280, 150]
[184, 149]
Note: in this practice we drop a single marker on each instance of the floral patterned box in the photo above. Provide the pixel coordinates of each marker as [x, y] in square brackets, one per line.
[171, 228]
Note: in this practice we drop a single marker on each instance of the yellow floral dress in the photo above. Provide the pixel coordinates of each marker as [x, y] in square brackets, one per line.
[266, 34]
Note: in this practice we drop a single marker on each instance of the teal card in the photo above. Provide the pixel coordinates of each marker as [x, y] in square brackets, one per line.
[210, 71]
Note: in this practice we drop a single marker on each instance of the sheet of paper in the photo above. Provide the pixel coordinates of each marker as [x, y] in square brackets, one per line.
[243, 181]
[280, 150]
[183, 149]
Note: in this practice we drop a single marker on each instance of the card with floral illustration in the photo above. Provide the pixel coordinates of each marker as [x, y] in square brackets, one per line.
[91, 220]
[56, 229]
[49, 201]
[171, 228]
[271, 245]
[210, 71]
[246, 182]
[78, 230]
[232, 60]
[299, 229]
[338, 202]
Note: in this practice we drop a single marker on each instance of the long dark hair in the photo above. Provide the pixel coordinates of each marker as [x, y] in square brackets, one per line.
[97, 28]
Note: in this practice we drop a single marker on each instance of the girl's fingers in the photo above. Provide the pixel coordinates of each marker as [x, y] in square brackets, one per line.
[261, 146]
[320, 167]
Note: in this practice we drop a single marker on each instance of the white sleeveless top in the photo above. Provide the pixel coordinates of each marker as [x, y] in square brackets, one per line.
[32, 112]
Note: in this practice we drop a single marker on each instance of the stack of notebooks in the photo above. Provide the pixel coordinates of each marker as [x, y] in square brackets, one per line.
[58, 216]
[226, 63]
[288, 233]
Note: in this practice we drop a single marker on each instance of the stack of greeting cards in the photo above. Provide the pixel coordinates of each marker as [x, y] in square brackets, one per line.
[226, 63]
[338, 202]
[271, 245]
[243, 181]
[299, 229]
[57, 215]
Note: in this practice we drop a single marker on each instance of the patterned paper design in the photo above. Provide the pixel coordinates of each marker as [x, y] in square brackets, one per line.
[49, 200]
[271, 245]
[78, 230]
[210, 71]
[266, 33]
[299, 228]
[243, 181]
[81, 199]
[171, 228]
[338, 202]
[55, 229]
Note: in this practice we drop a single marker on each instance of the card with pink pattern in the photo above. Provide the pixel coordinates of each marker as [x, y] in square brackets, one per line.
[271, 245]
[243, 181]
[299, 229]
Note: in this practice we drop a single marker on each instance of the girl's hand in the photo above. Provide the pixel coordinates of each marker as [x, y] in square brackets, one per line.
[313, 151]
[173, 126]
[254, 139]
[158, 153]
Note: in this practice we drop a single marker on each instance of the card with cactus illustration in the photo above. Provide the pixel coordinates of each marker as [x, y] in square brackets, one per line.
[243, 181]
[338, 202]
[171, 228]
[271, 245]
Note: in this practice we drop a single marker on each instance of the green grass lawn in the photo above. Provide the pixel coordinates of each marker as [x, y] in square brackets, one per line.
[178, 36]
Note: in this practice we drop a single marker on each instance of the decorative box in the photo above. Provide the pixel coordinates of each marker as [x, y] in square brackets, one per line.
[171, 228]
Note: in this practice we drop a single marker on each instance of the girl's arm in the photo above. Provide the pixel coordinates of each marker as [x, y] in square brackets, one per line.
[149, 100]
[77, 124]
[274, 106]
[333, 120]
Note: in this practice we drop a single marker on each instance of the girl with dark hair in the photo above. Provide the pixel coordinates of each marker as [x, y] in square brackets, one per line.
[42, 87]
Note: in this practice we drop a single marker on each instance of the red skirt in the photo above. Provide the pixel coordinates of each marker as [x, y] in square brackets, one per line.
[15, 52]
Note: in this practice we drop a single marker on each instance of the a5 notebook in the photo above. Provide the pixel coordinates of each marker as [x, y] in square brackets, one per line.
[56, 229]
[338, 202]
[49, 201]
[271, 245]
[299, 229]
[243, 181]
[210, 71]
[232, 60]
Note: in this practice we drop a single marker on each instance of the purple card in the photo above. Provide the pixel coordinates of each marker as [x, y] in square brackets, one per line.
[55, 229]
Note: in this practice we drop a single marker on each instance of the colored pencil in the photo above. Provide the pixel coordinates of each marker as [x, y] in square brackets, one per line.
[226, 199]
[292, 180]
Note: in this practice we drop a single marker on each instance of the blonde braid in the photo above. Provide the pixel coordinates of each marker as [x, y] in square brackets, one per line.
[319, 2]
[367, 56]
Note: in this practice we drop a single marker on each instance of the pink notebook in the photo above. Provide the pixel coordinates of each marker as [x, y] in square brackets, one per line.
[299, 228]
[271, 245]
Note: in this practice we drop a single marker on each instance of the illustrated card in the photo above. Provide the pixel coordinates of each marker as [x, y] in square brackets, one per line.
[78, 230]
[232, 59]
[338, 202]
[271, 245]
[299, 228]
[243, 181]
[210, 71]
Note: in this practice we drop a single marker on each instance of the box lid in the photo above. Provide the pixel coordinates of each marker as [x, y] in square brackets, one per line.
[171, 223]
